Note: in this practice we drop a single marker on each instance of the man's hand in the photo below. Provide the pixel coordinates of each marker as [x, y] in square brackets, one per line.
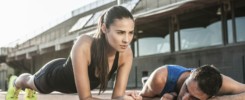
[169, 96]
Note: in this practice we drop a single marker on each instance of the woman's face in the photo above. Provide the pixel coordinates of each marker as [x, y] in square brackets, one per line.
[120, 34]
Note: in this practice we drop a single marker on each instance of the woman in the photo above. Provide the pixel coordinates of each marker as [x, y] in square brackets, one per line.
[91, 63]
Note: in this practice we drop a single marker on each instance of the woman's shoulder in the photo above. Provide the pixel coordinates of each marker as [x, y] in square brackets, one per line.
[82, 43]
[84, 40]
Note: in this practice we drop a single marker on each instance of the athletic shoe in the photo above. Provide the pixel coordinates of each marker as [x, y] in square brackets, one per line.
[30, 94]
[13, 92]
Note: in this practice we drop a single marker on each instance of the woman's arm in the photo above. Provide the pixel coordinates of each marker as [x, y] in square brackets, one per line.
[125, 63]
[80, 56]
[230, 90]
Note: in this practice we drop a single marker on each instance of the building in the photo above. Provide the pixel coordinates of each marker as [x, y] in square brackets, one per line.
[185, 32]
[191, 33]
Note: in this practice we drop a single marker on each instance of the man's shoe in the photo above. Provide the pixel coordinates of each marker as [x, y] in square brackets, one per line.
[13, 92]
[30, 94]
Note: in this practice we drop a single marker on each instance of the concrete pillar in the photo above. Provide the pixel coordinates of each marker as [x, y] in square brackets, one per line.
[119, 2]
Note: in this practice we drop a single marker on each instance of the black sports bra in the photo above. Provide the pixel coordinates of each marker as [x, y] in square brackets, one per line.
[94, 81]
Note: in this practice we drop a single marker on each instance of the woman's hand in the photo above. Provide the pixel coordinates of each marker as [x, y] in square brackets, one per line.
[169, 96]
[134, 95]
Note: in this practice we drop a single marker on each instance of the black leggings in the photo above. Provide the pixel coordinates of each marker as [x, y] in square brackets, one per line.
[44, 77]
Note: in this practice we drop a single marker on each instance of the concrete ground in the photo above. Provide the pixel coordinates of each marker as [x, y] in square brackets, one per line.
[60, 96]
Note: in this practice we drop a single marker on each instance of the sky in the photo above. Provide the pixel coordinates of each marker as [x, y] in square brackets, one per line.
[21, 19]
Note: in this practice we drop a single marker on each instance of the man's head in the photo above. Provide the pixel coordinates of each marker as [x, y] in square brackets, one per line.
[203, 83]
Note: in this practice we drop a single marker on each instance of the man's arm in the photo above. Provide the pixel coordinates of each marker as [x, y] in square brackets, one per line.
[155, 83]
[230, 90]
[240, 96]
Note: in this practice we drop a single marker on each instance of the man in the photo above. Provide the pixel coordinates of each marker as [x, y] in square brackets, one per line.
[176, 82]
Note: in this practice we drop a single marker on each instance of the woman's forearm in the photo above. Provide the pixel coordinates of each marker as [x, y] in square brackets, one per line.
[125, 97]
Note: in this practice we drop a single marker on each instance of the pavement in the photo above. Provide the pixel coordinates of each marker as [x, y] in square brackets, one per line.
[61, 96]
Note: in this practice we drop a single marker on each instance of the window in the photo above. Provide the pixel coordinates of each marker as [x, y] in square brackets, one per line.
[152, 45]
[240, 23]
[240, 31]
[199, 37]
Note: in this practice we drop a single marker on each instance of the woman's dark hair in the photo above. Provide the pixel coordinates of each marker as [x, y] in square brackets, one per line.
[99, 57]
[208, 79]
